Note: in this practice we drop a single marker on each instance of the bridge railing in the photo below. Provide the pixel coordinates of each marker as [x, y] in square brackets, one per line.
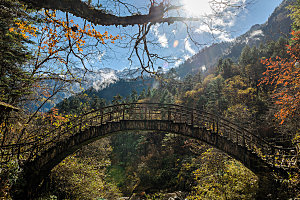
[42, 140]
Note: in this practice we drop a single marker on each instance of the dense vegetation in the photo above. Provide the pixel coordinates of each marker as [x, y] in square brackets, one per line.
[161, 163]
[247, 92]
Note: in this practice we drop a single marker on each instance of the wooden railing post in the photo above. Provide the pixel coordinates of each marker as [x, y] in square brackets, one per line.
[244, 142]
[217, 126]
[227, 133]
[101, 113]
[80, 126]
[192, 117]
[19, 151]
[123, 112]
[169, 113]
[250, 142]
[91, 124]
[180, 113]
[237, 137]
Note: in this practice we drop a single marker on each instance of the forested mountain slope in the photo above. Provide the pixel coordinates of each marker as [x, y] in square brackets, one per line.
[278, 25]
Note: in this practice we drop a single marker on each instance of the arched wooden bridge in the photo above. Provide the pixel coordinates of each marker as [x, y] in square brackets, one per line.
[48, 146]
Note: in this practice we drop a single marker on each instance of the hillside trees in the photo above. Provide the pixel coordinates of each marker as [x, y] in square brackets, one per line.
[83, 174]
[15, 81]
[220, 177]
[142, 162]
[284, 75]
[232, 92]
[295, 14]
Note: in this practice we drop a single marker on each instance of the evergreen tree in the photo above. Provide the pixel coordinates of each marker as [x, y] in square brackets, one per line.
[225, 68]
[15, 82]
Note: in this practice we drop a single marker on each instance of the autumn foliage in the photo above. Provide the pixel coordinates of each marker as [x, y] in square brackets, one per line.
[55, 34]
[284, 75]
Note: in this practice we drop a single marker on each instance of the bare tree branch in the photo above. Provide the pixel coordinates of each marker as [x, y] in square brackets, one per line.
[101, 17]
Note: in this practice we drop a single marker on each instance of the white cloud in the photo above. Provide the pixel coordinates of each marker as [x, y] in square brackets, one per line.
[186, 57]
[217, 28]
[197, 7]
[217, 23]
[178, 62]
[208, 7]
[256, 33]
[224, 36]
[202, 29]
[162, 39]
[105, 79]
[188, 47]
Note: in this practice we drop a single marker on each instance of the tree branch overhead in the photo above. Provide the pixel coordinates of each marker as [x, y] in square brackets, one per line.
[100, 17]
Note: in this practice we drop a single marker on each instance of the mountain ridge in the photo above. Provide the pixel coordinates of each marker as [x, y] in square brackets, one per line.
[102, 81]
[277, 25]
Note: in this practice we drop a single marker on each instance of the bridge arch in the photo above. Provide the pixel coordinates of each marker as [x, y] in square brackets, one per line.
[56, 144]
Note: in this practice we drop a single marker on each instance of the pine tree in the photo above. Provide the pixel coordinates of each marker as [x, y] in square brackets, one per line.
[15, 82]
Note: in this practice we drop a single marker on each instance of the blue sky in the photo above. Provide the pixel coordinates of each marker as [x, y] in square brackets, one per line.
[259, 12]
[172, 41]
